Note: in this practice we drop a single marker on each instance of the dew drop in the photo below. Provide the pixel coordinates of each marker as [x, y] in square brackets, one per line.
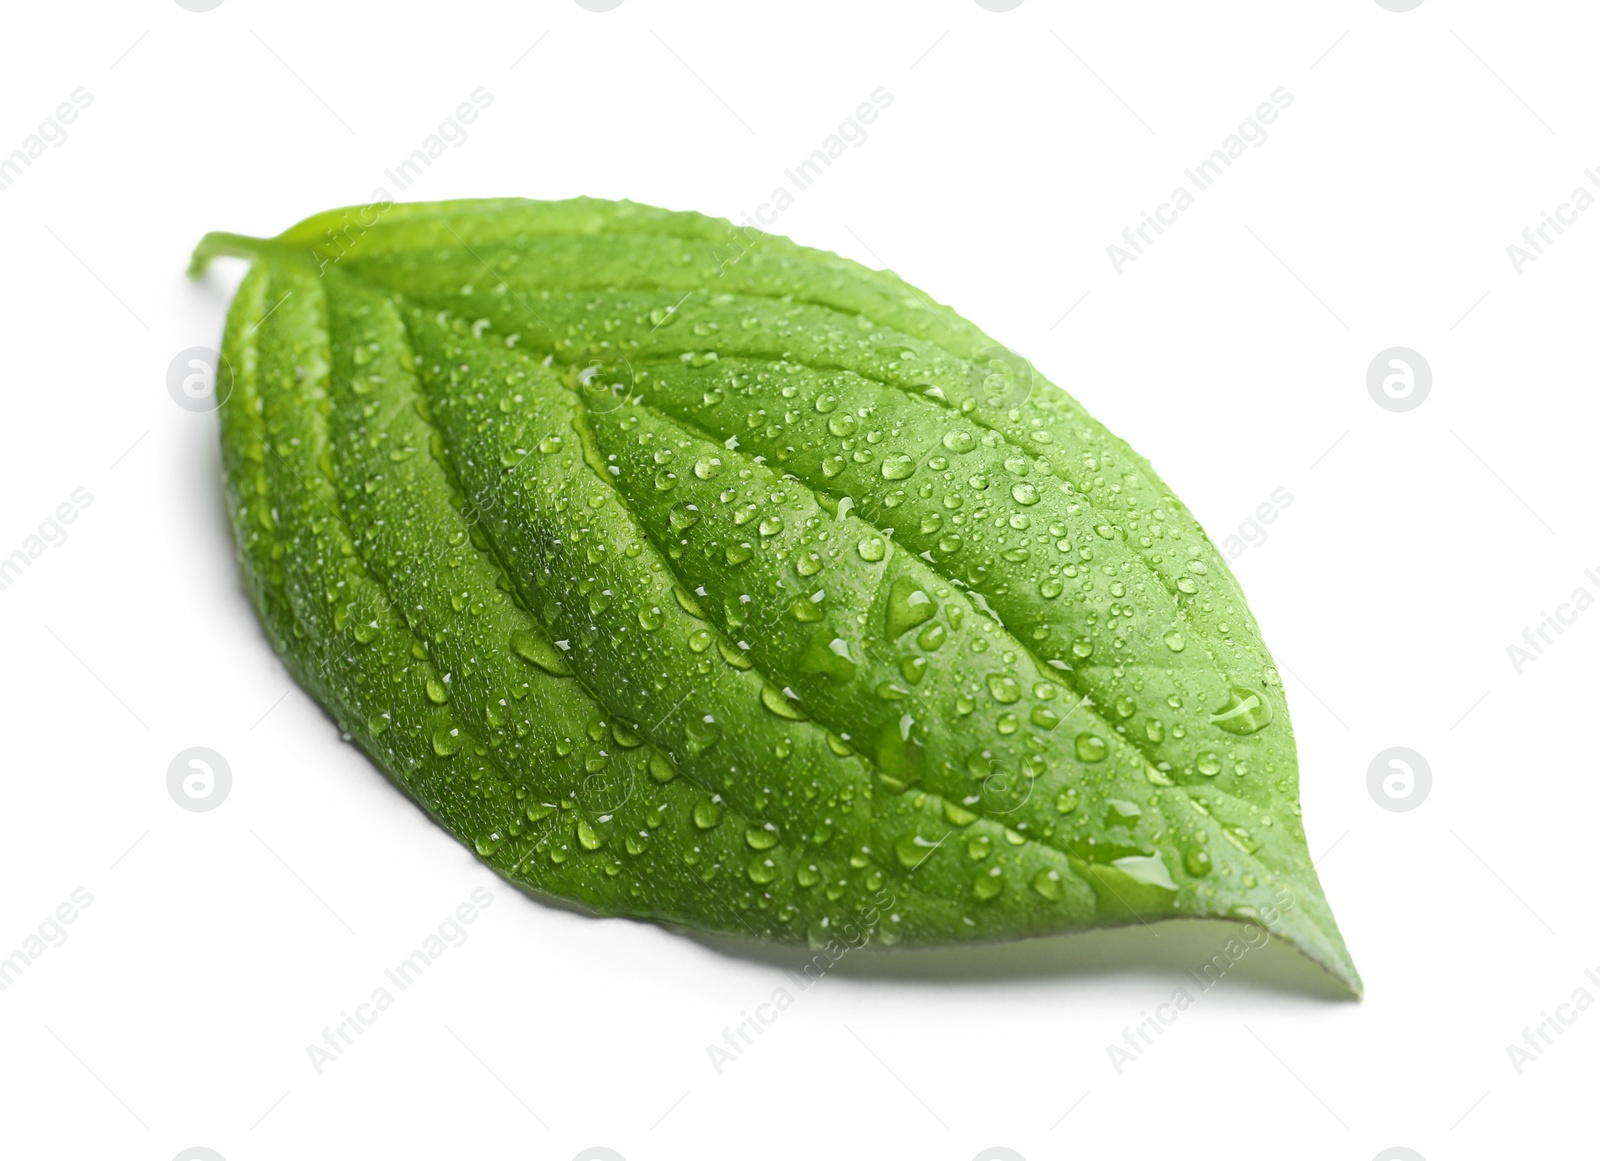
[1091, 748]
[1003, 688]
[779, 703]
[958, 815]
[1121, 812]
[1244, 713]
[898, 467]
[701, 734]
[828, 654]
[761, 838]
[762, 871]
[912, 849]
[683, 516]
[908, 607]
[661, 767]
[733, 655]
[589, 838]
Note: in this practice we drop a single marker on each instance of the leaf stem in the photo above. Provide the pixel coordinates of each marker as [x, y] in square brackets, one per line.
[220, 244]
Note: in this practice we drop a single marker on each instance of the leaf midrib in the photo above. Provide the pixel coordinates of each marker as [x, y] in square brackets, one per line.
[1066, 849]
[885, 860]
[1179, 616]
[977, 417]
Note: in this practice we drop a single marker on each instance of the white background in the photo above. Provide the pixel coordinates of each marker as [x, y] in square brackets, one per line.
[1418, 546]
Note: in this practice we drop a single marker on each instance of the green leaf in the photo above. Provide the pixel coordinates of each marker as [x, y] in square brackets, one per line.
[694, 575]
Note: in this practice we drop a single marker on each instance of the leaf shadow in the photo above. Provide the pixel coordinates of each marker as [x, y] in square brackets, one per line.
[1177, 951]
